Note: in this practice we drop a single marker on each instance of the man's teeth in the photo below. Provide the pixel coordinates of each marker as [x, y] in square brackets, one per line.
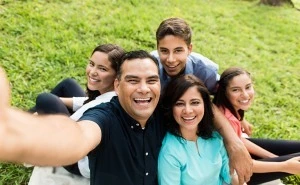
[142, 99]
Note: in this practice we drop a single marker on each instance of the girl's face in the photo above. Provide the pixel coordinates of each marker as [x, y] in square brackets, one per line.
[100, 75]
[240, 92]
[188, 111]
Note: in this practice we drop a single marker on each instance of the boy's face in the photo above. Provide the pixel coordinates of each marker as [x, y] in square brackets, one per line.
[173, 53]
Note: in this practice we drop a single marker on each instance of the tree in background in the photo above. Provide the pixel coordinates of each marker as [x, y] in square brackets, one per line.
[276, 2]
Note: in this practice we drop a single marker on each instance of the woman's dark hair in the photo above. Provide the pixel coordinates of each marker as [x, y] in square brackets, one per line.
[115, 54]
[220, 98]
[174, 90]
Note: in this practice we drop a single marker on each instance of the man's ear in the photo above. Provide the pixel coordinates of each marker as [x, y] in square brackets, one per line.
[190, 48]
[116, 86]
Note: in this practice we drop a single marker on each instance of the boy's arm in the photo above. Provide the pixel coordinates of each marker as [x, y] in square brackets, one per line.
[239, 158]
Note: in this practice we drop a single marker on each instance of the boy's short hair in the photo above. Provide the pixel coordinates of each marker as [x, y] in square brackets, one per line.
[174, 26]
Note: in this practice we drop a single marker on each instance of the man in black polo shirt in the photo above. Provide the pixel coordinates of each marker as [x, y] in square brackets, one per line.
[122, 138]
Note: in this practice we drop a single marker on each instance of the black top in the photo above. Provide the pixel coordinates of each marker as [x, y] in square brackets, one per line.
[127, 153]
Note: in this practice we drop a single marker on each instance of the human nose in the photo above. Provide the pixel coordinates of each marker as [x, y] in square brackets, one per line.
[245, 93]
[93, 71]
[144, 88]
[171, 58]
[187, 109]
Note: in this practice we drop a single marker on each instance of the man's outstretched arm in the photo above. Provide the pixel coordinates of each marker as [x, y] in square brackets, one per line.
[42, 140]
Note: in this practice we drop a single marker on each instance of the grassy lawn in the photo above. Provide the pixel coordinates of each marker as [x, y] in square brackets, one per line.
[43, 42]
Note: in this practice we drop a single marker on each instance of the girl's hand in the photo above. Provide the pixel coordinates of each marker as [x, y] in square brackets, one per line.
[246, 127]
[292, 166]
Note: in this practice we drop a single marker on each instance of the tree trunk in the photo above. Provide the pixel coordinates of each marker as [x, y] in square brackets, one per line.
[276, 2]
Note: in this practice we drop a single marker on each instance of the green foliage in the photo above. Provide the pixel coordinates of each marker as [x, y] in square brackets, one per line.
[44, 41]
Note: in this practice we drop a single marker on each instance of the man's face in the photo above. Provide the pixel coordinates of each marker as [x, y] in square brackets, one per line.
[138, 88]
[173, 53]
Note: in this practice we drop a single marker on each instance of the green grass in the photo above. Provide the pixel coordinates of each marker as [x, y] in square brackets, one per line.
[44, 41]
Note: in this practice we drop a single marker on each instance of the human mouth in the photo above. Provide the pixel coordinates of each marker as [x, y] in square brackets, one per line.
[93, 79]
[142, 100]
[172, 67]
[188, 119]
[244, 101]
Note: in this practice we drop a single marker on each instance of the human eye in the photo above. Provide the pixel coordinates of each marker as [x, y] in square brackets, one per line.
[179, 104]
[178, 50]
[132, 81]
[234, 90]
[195, 103]
[153, 80]
[91, 63]
[163, 51]
[249, 87]
[102, 68]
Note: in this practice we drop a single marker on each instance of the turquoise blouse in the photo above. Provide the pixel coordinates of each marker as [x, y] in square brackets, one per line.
[180, 163]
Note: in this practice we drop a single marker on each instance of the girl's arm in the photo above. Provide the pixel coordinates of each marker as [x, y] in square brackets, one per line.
[257, 150]
[68, 102]
[291, 166]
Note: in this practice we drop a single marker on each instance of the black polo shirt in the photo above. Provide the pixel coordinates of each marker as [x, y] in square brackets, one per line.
[127, 154]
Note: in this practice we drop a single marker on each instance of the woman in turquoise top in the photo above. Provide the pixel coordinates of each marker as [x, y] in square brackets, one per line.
[192, 152]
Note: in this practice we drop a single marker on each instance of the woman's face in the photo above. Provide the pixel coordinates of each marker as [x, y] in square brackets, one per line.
[100, 75]
[240, 92]
[188, 111]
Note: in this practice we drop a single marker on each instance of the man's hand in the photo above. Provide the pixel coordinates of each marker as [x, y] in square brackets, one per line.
[5, 92]
[240, 160]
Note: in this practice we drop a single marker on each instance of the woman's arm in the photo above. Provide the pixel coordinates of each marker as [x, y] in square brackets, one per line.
[239, 157]
[168, 170]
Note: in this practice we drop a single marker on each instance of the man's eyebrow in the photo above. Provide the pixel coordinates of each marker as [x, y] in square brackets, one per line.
[154, 76]
[131, 76]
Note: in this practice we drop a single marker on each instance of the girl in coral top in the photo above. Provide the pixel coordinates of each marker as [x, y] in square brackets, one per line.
[272, 159]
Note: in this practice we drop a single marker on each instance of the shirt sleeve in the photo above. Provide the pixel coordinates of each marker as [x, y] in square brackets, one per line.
[168, 169]
[78, 102]
[211, 82]
[225, 171]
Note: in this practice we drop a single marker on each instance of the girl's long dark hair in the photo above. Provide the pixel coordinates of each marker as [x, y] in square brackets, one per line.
[115, 54]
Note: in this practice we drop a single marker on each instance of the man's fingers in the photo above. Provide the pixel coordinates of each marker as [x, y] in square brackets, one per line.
[245, 176]
[5, 90]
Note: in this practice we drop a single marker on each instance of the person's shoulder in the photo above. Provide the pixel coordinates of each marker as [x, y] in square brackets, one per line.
[171, 142]
[199, 59]
[215, 138]
[155, 54]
